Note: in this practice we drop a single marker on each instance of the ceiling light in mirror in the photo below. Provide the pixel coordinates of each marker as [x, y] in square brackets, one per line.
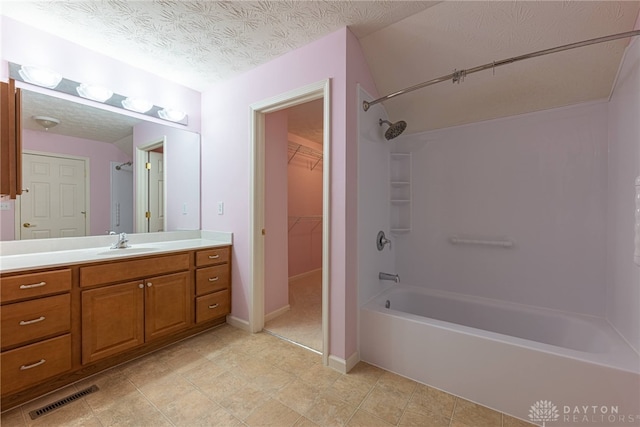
[94, 92]
[171, 115]
[137, 104]
[46, 122]
[40, 76]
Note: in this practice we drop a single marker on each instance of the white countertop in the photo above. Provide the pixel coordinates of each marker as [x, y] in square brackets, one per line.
[25, 255]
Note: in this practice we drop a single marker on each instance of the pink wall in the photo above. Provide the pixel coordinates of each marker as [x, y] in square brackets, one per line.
[305, 198]
[100, 155]
[225, 150]
[276, 284]
[27, 45]
[539, 180]
[623, 276]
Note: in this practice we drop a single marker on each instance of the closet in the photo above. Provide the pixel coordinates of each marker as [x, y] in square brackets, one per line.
[293, 217]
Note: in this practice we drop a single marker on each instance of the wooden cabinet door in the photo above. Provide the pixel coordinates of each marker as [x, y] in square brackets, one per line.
[167, 305]
[112, 320]
[10, 139]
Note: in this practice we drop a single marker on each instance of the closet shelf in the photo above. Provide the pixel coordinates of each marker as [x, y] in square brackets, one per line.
[299, 149]
[305, 218]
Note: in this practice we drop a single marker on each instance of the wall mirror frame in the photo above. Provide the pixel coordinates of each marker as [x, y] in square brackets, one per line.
[119, 132]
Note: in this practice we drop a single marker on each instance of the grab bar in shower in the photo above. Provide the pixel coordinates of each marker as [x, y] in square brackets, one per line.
[455, 240]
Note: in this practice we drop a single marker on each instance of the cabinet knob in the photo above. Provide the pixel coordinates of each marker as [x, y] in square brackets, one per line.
[141, 285]
[214, 279]
[149, 284]
[212, 306]
[214, 256]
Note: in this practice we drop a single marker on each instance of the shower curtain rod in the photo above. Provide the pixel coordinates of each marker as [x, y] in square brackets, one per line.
[458, 75]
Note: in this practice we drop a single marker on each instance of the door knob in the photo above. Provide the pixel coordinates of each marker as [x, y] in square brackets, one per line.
[28, 225]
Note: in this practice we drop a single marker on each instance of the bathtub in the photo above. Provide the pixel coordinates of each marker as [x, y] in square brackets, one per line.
[505, 356]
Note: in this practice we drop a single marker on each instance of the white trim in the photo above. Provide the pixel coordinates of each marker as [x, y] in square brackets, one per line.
[318, 90]
[305, 274]
[344, 366]
[238, 323]
[276, 313]
[17, 212]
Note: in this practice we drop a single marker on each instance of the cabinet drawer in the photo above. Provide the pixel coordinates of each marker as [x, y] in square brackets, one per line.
[212, 256]
[212, 279]
[30, 320]
[212, 306]
[121, 271]
[23, 286]
[33, 363]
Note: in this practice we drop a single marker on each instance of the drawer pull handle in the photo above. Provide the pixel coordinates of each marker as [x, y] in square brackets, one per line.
[29, 322]
[214, 306]
[214, 256]
[214, 279]
[35, 285]
[25, 367]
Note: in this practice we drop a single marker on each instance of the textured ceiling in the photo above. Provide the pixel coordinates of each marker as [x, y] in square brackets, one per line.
[460, 35]
[76, 120]
[199, 43]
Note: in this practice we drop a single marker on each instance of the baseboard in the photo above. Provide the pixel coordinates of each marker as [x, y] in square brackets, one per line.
[276, 313]
[305, 274]
[344, 366]
[238, 323]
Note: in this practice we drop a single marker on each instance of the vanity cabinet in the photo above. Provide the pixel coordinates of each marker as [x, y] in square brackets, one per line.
[64, 324]
[213, 291]
[117, 317]
[36, 328]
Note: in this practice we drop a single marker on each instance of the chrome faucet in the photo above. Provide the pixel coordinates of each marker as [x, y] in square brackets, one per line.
[122, 242]
[387, 276]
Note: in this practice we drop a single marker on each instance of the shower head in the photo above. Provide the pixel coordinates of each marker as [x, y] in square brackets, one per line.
[395, 129]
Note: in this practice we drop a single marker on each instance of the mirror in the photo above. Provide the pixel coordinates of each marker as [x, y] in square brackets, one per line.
[63, 140]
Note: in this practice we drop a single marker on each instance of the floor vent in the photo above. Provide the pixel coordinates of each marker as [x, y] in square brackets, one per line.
[37, 413]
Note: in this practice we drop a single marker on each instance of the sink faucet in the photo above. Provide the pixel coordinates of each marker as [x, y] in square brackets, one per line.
[387, 276]
[122, 242]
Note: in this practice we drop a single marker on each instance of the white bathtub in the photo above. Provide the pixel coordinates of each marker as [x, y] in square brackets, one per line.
[504, 356]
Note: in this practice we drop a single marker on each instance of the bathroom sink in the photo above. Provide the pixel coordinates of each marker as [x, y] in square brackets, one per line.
[126, 251]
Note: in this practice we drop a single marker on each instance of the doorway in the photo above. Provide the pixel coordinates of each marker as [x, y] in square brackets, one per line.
[293, 182]
[54, 202]
[258, 231]
[150, 181]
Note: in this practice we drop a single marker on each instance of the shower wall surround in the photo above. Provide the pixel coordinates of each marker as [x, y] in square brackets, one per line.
[374, 193]
[539, 180]
[623, 275]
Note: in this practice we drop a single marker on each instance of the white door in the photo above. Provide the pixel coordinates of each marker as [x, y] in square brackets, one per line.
[156, 192]
[54, 206]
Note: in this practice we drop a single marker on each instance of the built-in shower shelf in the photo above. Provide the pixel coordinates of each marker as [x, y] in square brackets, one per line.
[400, 194]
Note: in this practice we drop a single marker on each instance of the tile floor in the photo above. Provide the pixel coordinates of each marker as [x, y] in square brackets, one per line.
[227, 377]
[303, 322]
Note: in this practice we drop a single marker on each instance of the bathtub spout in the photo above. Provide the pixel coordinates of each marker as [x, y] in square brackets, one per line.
[387, 276]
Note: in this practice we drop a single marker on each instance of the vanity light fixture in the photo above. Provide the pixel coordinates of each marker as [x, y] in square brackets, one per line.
[46, 122]
[171, 115]
[94, 92]
[138, 105]
[47, 78]
[39, 76]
